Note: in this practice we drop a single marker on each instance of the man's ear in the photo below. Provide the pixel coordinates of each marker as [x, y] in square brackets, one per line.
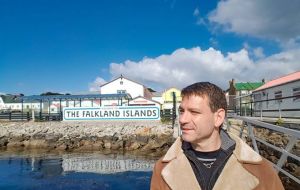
[219, 117]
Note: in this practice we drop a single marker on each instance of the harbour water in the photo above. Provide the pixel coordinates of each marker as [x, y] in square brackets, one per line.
[86, 170]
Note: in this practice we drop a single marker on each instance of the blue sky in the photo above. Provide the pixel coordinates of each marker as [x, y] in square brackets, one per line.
[75, 45]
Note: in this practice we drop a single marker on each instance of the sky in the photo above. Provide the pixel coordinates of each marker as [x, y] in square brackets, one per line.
[74, 46]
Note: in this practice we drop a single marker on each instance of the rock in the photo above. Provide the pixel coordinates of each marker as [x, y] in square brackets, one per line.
[98, 145]
[273, 159]
[3, 141]
[111, 135]
[297, 172]
[62, 147]
[118, 145]
[107, 144]
[291, 167]
[133, 146]
[15, 144]
[143, 139]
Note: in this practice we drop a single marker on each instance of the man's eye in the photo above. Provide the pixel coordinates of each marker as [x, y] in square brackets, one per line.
[194, 112]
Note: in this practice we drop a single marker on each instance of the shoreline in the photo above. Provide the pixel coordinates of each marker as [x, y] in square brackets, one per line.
[143, 136]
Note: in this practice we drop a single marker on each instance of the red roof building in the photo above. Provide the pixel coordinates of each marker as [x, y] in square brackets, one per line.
[280, 81]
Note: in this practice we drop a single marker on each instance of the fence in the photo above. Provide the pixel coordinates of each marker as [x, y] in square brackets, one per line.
[27, 116]
[278, 107]
[292, 135]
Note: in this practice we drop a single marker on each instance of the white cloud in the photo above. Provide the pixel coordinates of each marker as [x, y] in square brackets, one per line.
[259, 52]
[246, 45]
[186, 66]
[95, 86]
[196, 12]
[271, 19]
[279, 64]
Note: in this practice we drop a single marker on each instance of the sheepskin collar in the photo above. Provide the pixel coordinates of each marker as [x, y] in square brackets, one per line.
[178, 173]
[243, 152]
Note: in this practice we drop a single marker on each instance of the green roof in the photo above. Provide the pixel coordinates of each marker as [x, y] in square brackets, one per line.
[247, 85]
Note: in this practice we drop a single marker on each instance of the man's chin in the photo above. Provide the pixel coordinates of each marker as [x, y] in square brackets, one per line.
[187, 138]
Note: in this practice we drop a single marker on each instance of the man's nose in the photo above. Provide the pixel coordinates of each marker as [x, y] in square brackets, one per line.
[183, 118]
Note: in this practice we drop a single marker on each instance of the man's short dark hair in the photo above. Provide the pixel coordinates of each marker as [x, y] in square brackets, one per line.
[214, 94]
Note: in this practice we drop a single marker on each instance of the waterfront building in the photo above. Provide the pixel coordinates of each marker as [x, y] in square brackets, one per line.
[122, 85]
[142, 101]
[157, 96]
[118, 92]
[12, 103]
[168, 100]
[239, 94]
[279, 97]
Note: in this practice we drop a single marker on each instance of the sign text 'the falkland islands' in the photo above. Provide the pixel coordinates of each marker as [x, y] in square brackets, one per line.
[112, 113]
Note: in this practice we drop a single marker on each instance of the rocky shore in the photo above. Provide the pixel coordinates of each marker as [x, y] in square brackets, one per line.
[142, 137]
[279, 140]
[152, 137]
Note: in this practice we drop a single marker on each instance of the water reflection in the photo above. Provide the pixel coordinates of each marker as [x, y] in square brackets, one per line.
[74, 171]
[105, 164]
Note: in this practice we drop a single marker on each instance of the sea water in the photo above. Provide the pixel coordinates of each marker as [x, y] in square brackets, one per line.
[89, 170]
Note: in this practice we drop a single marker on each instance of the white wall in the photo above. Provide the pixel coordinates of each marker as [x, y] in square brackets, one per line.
[158, 99]
[18, 106]
[287, 90]
[1, 103]
[134, 89]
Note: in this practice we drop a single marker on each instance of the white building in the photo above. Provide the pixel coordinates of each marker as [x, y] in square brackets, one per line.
[13, 103]
[279, 97]
[141, 101]
[123, 85]
[117, 92]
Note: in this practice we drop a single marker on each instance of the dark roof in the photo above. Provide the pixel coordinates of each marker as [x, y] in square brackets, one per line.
[151, 90]
[76, 97]
[11, 98]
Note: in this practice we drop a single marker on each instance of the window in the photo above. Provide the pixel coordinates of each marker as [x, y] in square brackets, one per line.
[278, 96]
[121, 82]
[121, 91]
[257, 97]
[296, 94]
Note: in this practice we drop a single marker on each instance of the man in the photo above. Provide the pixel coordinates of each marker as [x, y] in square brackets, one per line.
[205, 156]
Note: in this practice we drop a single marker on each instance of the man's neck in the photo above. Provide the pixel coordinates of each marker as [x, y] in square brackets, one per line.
[207, 145]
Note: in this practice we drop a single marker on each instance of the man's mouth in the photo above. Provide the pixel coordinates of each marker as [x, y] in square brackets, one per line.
[186, 129]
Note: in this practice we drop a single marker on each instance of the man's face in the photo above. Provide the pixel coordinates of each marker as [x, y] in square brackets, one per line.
[196, 119]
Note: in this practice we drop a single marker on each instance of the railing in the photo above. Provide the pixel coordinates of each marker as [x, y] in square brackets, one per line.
[276, 107]
[27, 116]
[293, 137]
[15, 116]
